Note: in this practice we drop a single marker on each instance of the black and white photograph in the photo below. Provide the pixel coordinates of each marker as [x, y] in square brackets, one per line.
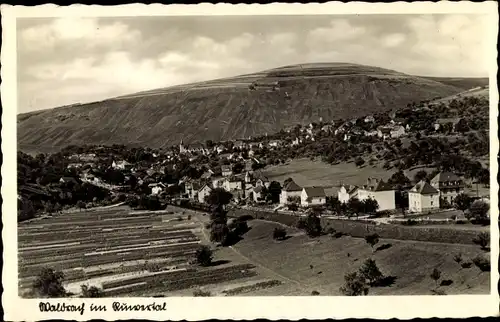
[246, 155]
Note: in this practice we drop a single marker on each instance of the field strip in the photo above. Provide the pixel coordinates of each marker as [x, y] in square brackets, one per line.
[44, 247]
[137, 248]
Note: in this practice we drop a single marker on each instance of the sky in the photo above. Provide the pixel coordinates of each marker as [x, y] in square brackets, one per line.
[63, 61]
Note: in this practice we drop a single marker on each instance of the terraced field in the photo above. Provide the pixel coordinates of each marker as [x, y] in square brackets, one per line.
[126, 253]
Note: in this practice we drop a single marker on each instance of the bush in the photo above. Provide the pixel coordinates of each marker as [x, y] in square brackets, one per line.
[371, 272]
[435, 275]
[92, 291]
[483, 239]
[466, 264]
[279, 233]
[238, 227]
[372, 239]
[354, 285]
[204, 256]
[482, 263]
[49, 283]
[301, 224]
[314, 293]
[338, 234]
[245, 217]
[458, 258]
[200, 292]
[313, 226]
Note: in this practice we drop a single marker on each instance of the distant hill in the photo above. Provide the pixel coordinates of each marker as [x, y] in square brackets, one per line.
[462, 82]
[230, 108]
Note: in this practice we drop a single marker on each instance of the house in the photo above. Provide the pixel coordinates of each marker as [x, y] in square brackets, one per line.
[423, 197]
[248, 177]
[290, 192]
[227, 170]
[68, 180]
[207, 175]
[260, 179]
[369, 119]
[257, 194]
[191, 189]
[382, 192]
[156, 188]
[448, 184]
[327, 128]
[74, 165]
[217, 182]
[203, 192]
[240, 145]
[121, 165]
[296, 141]
[275, 143]
[371, 133]
[392, 131]
[346, 193]
[219, 149]
[233, 183]
[312, 196]
[442, 121]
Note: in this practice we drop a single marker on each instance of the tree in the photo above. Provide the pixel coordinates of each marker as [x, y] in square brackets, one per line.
[370, 206]
[354, 285]
[218, 232]
[399, 179]
[483, 239]
[370, 271]
[479, 210]
[80, 204]
[49, 284]
[458, 258]
[92, 291]
[204, 256]
[334, 204]
[313, 226]
[218, 197]
[420, 175]
[279, 233]
[462, 202]
[273, 192]
[359, 161]
[462, 126]
[435, 275]
[372, 239]
[354, 206]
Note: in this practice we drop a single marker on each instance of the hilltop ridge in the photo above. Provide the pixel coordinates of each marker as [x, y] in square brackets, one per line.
[230, 108]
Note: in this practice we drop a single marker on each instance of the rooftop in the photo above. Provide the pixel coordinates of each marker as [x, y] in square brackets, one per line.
[314, 192]
[424, 188]
[290, 185]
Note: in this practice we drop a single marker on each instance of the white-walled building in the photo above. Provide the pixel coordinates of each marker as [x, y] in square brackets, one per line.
[203, 192]
[312, 196]
[227, 170]
[346, 193]
[156, 188]
[423, 197]
[233, 183]
[448, 184]
[290, 191]
[383, 193]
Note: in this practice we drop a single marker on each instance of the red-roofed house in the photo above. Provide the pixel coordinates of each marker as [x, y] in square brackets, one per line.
[423, 197]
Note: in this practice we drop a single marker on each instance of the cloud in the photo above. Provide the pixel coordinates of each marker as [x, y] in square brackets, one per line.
[393, 40]
[62, 61]
[88, 31]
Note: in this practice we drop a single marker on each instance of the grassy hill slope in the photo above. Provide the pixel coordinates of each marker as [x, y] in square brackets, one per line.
[228, 108]
[409, 262]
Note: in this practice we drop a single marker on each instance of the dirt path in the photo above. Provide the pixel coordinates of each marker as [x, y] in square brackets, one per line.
[307, 289]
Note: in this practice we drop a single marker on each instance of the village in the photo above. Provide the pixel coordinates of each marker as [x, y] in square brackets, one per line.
[190, 172]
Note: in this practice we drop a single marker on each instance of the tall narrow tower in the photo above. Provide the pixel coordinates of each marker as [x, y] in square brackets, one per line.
[181, 148]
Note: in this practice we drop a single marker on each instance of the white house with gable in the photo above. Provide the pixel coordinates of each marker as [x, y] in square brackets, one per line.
[383, 193]
[423, 197]
[312, 196]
